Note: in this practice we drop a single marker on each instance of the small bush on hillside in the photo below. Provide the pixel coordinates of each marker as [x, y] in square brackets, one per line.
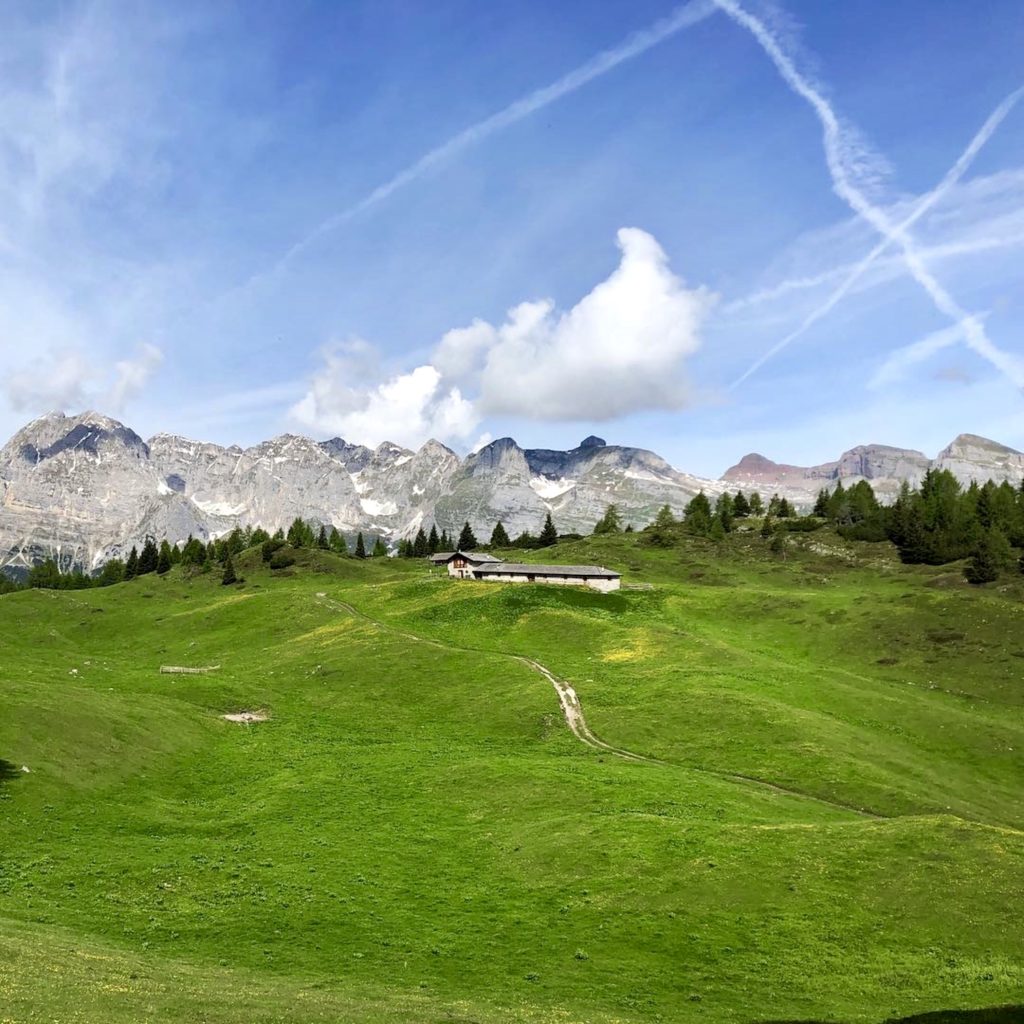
[808, 525]
[282, 560]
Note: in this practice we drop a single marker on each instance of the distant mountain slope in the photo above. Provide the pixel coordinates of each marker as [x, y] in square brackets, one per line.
[85, 488]
[968, 457]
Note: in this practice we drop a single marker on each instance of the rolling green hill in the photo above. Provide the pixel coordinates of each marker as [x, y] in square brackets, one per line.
[824, 819]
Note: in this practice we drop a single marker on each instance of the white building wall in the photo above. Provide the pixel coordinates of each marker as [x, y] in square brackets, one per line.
[601, 584]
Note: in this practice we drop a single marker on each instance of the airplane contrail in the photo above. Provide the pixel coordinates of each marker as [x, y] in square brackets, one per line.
[683, 17]
[838, 145]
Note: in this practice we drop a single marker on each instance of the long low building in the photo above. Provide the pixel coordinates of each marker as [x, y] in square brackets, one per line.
[478, 565]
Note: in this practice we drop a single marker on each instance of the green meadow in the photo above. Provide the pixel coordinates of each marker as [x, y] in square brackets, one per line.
[828, 824]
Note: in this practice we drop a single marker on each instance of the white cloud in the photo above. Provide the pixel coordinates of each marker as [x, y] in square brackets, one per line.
[899, 363]
[132, 375]
[59, 380]
[68, 379]
[406, 408]
[619, 350]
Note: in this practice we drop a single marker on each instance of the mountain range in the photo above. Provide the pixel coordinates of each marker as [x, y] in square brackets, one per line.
[85, 488]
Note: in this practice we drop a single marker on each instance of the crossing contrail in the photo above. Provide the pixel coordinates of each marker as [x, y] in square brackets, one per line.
[683, 17]
[841, 148]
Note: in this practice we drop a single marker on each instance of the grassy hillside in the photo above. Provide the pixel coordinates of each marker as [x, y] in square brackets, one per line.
[828, 826]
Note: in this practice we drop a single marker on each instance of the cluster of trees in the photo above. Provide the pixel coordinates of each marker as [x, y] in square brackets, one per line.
[424, 544]
[938, 522]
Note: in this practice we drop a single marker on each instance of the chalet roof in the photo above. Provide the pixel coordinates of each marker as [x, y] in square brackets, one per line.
[476, 557]
[525, 569]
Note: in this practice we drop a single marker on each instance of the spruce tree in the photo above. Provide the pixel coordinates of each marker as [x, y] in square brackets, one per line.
[131, 567]
[229, 576]
[336, 542]
[785, 509]
[321, 538]
[548, 535]
[821, 504]
[360, 551]
[163, 562]
[380, 549]
[740, 506]
[467, 539]
[756, 504]
[149, 557]
[664, 519]
[419, 545]
[697, 515]
[499, 538]
[433, 541]
[768, 528]
[724, 512]
[445, 544]
[991, 556]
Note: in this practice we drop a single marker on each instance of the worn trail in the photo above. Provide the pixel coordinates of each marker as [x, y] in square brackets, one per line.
[572, 711]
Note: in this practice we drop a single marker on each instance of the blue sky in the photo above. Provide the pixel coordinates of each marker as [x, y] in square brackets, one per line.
[230, 221]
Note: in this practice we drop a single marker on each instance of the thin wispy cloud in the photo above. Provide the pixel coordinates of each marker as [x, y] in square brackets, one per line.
[846, 157]
[683, 17]
[952, 176]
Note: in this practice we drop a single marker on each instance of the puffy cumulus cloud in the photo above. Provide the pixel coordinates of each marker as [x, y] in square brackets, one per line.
[406, 408]
[621, 349]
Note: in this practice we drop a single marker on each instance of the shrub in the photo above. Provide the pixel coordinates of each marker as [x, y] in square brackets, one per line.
[282, 559]
[270, 548]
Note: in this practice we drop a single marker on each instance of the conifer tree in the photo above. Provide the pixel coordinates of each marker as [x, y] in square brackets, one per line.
[548, 535]
[336, 542]
[768, 528]
[991, 556]
[756, 504]
[433, 541]
[467, 539]
[445, 544]
[724, 511]
[785, 509]
[321, 538]
[610, 522]
[697, 515]
[499, 538]
[149, 557]
[360, 551]
[664, 518]
[163, 562]
[131, 567]
[821, 504]
[229, 576]
[740, 506]
[380, 549]
[419, 545]
[111, 573]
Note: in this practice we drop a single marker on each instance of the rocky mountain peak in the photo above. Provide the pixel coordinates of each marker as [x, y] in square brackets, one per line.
[593, 442]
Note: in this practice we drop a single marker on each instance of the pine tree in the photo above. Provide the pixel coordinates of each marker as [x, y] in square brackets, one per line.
[756, 504]
[360, 551]
[445, 544]
[131, 567]
[664, 519]
[229, 576]
[111, 573]
[499, 538]
[768, 528]
[610, 522]
[321, 538]
[697, 515]
[380, 549]
[724, 512]
[785, 509]
[989, 558]
[433, 541]
[548, 535]
[163, 562]
[821, 504]
[336, 542]
[740, 506]
[419, 545]
[149, 557]
[467, 539]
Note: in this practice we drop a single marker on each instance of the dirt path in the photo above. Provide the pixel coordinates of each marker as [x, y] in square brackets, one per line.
[572, 711]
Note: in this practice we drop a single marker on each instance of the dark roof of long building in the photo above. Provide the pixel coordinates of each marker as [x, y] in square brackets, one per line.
[525, 569]
[470, 556]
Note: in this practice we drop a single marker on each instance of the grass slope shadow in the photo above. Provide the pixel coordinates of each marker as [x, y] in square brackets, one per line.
[991, 1015]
